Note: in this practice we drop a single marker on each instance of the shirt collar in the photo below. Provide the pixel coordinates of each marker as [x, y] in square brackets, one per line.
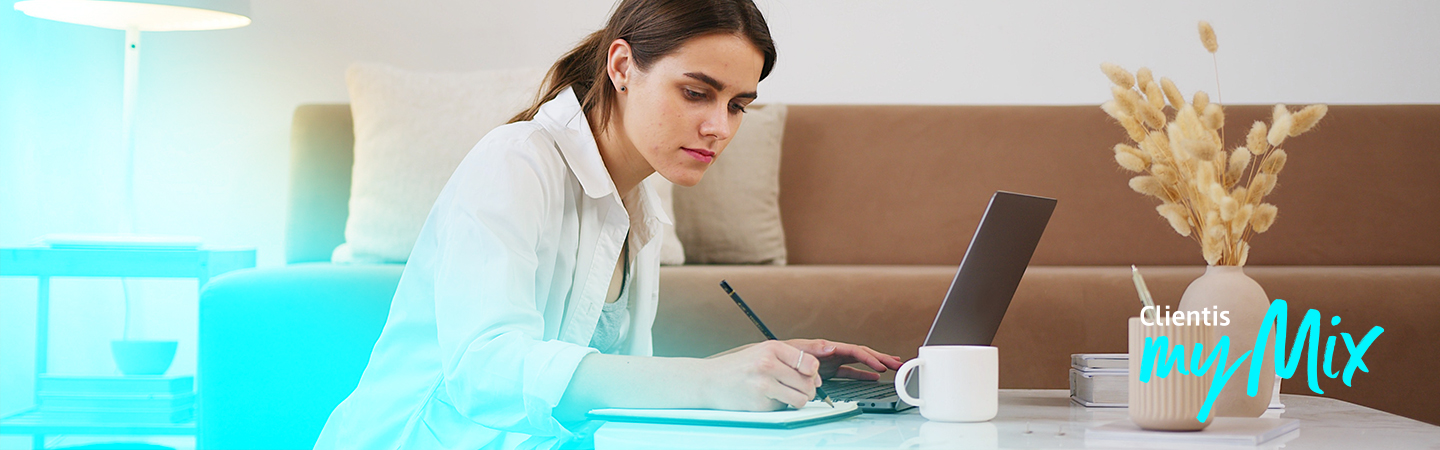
[564, 118]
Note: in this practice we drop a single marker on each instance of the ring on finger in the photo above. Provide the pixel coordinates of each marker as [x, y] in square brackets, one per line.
[799, 360]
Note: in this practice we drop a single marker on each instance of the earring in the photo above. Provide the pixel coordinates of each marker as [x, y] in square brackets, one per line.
[622, 88]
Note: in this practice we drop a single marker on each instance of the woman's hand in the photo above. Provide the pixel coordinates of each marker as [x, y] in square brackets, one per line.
[834, 356]
[761, 377]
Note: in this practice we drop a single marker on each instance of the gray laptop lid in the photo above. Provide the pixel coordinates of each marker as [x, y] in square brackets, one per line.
[991, 269]
[983, 286]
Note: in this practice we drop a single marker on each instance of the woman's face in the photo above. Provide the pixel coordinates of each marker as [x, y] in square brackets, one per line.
[682, 112]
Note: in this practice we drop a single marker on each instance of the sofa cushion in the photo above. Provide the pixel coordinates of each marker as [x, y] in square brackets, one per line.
[733, 215]
[322, 143]
[411, 131]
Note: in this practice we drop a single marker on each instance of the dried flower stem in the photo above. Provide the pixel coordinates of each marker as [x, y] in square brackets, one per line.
[1219, 97]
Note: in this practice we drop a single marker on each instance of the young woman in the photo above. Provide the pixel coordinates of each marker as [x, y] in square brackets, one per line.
[529, 297]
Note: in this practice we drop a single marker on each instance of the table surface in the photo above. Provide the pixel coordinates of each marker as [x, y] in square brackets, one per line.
[203, 262]
[1031, 419]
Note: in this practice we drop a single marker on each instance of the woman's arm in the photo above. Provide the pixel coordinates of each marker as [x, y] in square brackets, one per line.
[760, 377]
[497, 366]
[763, 376]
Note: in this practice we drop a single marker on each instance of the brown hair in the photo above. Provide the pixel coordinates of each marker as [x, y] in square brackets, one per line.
[653, 28]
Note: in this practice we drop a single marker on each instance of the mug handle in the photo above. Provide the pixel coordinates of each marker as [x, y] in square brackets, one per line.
[901, 375]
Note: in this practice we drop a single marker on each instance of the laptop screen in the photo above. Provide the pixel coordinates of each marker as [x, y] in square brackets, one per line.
[991, 269]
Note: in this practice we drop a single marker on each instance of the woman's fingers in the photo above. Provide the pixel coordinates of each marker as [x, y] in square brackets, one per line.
[795, 368]
[832, 354]
[890, 361]
[788, 396]
[802, 387]
[796, 358]
[848, 353]
[794, 372]
[856, 374]
[861, 354]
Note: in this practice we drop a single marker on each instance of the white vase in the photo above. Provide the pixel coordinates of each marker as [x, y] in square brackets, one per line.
[1227, 288]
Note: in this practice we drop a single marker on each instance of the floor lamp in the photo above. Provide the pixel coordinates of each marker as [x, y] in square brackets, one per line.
[134, 16]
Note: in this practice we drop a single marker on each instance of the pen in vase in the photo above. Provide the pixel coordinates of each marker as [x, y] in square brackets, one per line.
[819, 392]
[1144, 291]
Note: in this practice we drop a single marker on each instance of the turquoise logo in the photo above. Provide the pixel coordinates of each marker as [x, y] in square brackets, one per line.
[1158, 359]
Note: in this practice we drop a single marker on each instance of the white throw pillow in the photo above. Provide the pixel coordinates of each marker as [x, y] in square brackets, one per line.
[672, 253]
[411, 131]
[733, 215]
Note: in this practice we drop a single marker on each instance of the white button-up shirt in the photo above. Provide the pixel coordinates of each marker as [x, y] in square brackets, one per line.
[501, 295]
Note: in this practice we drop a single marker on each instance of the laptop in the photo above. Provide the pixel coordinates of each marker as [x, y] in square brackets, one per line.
[978, 297]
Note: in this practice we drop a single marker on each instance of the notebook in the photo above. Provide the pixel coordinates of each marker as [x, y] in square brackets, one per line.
[813, 413]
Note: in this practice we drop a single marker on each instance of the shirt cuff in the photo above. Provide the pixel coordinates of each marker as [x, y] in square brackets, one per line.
[549, 367]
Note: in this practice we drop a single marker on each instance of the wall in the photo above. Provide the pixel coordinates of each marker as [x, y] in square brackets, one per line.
[213, 121]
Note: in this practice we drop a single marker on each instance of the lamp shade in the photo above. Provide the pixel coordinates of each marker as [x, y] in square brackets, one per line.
[143, 15]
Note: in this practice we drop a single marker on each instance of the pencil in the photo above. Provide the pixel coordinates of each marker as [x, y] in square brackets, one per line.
[1150, 310]
[819, 392]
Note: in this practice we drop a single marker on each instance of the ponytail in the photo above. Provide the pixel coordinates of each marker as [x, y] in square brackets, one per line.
[580, 69]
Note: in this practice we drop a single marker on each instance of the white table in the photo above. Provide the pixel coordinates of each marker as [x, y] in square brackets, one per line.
[45, 263]
[1029, 419]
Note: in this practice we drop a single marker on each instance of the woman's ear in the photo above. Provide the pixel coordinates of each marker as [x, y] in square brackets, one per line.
[618, 64]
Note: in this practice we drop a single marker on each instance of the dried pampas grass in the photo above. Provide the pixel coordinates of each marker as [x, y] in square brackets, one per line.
[1118, 75]
[1151, 115]
[1166, 174]
[1150, 186]
[1213, 117]
[1144, 77]
[1177, 215]
[1172, 93]
[1264, 217]
[1307, 118]
[1273, 163]
[1242, 218]
[1255, 141]
[1207, 37]
[1207, 193]
[1201, 100]
[1154, 95]
[1260, 186]
[1128, 100]
[1131, 158]
[1235, 168]
[1280, 125]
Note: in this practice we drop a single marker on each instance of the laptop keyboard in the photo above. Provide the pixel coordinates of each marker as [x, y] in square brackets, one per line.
[858, 390]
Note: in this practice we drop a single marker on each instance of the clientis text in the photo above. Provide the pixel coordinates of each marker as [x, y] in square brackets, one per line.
[1158, 359]
[1214, 317]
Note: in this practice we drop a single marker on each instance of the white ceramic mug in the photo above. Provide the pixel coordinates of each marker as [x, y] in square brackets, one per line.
[961, 383]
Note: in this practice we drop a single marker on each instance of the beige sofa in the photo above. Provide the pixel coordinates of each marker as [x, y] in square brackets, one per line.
[880, 202]
[878, 205]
